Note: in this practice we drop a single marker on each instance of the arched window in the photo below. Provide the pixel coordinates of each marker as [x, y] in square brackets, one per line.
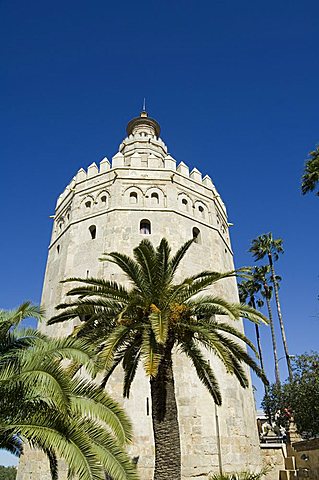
[88, 204]
[201, 210]
[103, 200]
[145, 227]
[196, 235]
[92, 230]
[133, 197]
[185, 204]
[154, 198]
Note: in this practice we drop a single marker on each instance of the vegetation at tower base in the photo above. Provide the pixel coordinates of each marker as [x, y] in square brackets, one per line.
[310, 178]
[43, 403]
[299, 397]
[146, 322]
[266, 246]
[246, 475]
[8, 473]
[258, 284]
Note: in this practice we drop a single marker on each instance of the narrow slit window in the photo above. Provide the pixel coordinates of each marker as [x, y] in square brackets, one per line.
[145, 227]
[58, 249]
[133, 197]
[92, 230]
[154, 198]
[196, 235]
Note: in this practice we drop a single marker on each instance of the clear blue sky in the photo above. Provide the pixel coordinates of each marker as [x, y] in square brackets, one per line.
[234, 86]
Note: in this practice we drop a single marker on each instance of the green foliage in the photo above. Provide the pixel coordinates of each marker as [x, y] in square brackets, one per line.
[8, 473]
[246, 475]
[133, 325]
[143, 323]
[299, 397]
[266, 245]
[310, 178]
[43, 403]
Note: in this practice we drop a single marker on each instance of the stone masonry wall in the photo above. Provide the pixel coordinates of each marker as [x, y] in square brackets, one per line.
[143, 183]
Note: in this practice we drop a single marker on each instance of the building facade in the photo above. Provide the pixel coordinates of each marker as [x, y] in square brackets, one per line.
[112, 207]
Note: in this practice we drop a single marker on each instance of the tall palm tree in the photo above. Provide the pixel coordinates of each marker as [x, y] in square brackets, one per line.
[144, 322]
[310, 178]
[43, 403]
[266, 245]
[260, 276]
[248, 289]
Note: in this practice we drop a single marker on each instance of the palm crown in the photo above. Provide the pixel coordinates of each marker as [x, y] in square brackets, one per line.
[139, 323]
[43, 404]
[310, 178]
[266, 245]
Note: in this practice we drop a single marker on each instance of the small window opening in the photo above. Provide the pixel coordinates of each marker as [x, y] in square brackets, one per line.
[68, 216]
[154, 198]
[103, 199]
[196, 235]
[60, 226]
[87, 273]
[58, 249]
[185, 204]
[145, 227]
[133, 197]
[92, 230]
[201, 210]
[88, 204]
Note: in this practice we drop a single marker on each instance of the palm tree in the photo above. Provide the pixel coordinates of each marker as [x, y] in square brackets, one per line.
[248, 289]
[143, 323]
[43, 403]
[260, 275]
[266, 245]
[310, 178]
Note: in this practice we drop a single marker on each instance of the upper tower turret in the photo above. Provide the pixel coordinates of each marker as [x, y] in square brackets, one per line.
[143, 139]
[143, 124]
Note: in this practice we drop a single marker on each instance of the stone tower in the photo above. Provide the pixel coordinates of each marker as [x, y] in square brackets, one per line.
[112, 207]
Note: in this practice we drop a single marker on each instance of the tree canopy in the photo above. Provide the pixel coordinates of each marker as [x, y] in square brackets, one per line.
[299, 397]
[45, 404]
[8, 473]
[310, 178]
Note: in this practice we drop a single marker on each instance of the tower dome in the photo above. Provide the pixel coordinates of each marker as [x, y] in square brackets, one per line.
[143, 124]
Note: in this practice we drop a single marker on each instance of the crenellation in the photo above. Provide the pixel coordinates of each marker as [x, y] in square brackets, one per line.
[104, 165]
[118, 160]
[207, 181]
[170, 162]
[92, 170]
[183, 169]
[196, 175]
[81, 175]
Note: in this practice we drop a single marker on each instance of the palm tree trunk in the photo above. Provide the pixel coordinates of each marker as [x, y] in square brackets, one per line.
[259, 344]
[273, 335]
[282, 328]
[165, 421]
